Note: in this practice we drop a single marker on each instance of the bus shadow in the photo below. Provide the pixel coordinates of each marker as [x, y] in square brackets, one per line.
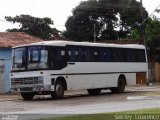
[85, 95]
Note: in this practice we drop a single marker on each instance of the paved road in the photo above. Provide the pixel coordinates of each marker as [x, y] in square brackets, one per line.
[81, 103]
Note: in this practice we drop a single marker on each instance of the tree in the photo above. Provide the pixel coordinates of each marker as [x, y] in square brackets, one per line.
[136, 34]
[152, 40]
[113, 19]
[38, 27]
[152, 34]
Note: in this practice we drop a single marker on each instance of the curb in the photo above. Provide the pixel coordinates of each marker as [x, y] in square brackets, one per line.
[143, 97]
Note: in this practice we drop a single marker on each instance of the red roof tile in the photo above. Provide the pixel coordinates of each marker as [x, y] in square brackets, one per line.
[12, 39]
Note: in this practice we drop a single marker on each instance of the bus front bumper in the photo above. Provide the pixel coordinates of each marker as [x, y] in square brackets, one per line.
[31, 88]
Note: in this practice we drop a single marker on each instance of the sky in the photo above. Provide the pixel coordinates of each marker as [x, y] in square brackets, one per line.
[57, 10]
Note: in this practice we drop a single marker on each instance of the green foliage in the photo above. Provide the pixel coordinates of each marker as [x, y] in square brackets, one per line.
[152, 36]
[39, 27]
[113, 20]
[136, 34]
[152, 33]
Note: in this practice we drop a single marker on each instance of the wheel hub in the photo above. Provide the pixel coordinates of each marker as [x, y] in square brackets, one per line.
[59, 89]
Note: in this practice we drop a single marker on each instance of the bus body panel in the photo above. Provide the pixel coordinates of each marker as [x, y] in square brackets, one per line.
[89, 75]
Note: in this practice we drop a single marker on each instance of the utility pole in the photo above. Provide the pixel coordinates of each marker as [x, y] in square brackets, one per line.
[142, 24]
[151, 64]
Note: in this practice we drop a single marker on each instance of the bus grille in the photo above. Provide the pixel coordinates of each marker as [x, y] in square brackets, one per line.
[26, 81]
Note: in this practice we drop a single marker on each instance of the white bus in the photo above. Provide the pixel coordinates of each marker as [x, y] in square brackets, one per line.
[52, 67]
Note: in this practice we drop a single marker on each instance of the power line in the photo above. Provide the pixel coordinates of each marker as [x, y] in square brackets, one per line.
[155, 10]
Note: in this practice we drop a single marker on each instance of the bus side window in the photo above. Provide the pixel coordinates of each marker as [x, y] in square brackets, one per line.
[63, 56]
[140, 55]
[80, 54]
[121, 55]
[34, 55]
[130, 55]
[71, 55]
[58, 58]
[102, 55]
[108, 55]
[115, 54]
[128, 58]
[87, 54]
[57, 55]
[95, 55]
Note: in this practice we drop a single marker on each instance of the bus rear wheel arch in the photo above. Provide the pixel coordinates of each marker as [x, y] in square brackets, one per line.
[120, 85]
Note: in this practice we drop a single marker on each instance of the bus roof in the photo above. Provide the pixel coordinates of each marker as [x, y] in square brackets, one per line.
[65, 43]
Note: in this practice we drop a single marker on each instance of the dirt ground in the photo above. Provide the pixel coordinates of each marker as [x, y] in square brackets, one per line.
[79, 102]
[139, 90]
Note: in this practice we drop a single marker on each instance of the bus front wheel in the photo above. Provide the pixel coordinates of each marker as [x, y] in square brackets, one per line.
[94, 91]
[121, 86]
[58, 90]
[27, 96]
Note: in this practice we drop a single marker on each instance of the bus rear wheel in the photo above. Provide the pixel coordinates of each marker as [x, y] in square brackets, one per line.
[121, 86]
[94, 91]
[27, 96]
[58, 90]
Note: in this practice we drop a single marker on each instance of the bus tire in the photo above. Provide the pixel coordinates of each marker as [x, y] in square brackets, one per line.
[121, 86]
[27, 96]
[58, 90]
[94, 91]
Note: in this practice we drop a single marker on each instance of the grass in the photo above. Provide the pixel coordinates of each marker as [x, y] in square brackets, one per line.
[127, 115]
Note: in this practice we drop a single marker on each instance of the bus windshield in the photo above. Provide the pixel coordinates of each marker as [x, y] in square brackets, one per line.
[19, 59]
[30, 58]
[37, 58]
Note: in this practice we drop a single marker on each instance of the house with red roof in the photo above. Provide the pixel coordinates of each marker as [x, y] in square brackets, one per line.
[7, 41]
